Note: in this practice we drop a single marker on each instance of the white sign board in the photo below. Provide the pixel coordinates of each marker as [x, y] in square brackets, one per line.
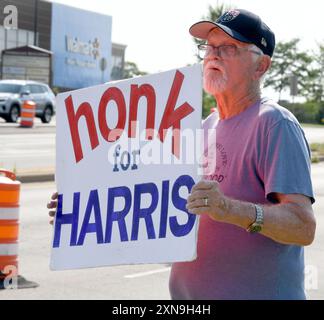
[124, 169]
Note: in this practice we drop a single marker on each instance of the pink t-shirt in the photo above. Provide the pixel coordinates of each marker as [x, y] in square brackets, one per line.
[258, 152]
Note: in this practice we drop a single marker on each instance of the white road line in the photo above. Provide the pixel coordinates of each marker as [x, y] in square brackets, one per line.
[147, 273]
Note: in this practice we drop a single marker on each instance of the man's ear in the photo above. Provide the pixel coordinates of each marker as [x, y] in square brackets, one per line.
[263, 65]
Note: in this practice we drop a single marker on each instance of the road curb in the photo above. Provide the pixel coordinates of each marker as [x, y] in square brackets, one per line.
[28, 178]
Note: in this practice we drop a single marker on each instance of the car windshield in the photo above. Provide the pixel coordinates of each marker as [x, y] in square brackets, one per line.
[9, 87]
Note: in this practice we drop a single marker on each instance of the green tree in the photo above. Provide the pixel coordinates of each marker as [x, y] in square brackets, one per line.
[212, 15]
[288, 60]
[131, 70]
[315, 86]
[214, 12]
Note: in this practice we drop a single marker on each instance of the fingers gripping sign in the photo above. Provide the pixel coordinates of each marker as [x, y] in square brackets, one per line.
[207, 198]
[52, 205]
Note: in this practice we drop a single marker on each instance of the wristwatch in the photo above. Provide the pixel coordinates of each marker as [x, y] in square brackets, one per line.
[256, 226]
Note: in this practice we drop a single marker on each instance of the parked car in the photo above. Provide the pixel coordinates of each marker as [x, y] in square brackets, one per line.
[14, 92]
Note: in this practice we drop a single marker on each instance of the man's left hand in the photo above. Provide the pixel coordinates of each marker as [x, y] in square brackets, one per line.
[206, 198]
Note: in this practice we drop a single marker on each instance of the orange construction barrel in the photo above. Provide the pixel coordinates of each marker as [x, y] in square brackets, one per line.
[27, 114]
[9, 223]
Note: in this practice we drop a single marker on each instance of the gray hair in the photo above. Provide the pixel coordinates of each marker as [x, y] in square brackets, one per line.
[256, 49]
[256, 58]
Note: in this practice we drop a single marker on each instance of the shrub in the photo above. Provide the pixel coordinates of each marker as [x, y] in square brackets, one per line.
[308, 112]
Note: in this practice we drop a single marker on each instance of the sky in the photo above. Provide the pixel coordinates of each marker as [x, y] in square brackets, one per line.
[156, 31]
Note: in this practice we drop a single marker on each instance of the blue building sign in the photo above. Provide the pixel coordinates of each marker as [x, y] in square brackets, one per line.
[81, 45]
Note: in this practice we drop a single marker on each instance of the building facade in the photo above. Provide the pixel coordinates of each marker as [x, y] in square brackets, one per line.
[79, 40]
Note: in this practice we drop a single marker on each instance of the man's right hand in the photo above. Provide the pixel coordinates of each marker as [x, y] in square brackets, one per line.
[52, 205]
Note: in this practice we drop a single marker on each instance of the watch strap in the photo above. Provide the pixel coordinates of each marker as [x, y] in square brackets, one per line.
[256, 226]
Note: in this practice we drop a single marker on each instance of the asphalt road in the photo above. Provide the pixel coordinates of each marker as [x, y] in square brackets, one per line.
[314, 254]
[27, 149]
[121, 282]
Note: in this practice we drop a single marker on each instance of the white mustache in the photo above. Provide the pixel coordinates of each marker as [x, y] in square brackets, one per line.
[211, 64]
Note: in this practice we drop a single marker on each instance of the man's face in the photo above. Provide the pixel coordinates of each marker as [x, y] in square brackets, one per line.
[223, 74]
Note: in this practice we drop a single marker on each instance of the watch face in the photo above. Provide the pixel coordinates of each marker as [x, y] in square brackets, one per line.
[256, 228]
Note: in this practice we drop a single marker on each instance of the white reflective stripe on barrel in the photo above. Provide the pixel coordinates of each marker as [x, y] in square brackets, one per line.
[10, 249]
[9, 213]
[28, 111]
[26, 119]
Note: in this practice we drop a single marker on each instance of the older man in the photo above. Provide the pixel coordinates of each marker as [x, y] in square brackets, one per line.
[256, 218]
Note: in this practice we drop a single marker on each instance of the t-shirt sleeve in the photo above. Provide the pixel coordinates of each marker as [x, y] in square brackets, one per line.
[287, 161]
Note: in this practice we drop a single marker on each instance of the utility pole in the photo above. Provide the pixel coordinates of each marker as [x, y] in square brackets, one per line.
[35, 22]
[293, 86]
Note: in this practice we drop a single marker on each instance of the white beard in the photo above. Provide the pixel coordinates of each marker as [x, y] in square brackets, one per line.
[214, 83]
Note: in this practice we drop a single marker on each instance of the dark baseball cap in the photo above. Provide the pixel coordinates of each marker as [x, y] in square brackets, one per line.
[241, 25]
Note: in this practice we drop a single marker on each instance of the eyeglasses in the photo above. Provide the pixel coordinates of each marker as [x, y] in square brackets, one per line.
[225, 51]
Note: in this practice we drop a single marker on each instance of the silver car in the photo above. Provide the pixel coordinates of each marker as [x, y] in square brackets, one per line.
[14, 92]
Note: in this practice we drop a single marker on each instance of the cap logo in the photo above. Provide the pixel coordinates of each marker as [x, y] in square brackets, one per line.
[229, 16]
[264, 42]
